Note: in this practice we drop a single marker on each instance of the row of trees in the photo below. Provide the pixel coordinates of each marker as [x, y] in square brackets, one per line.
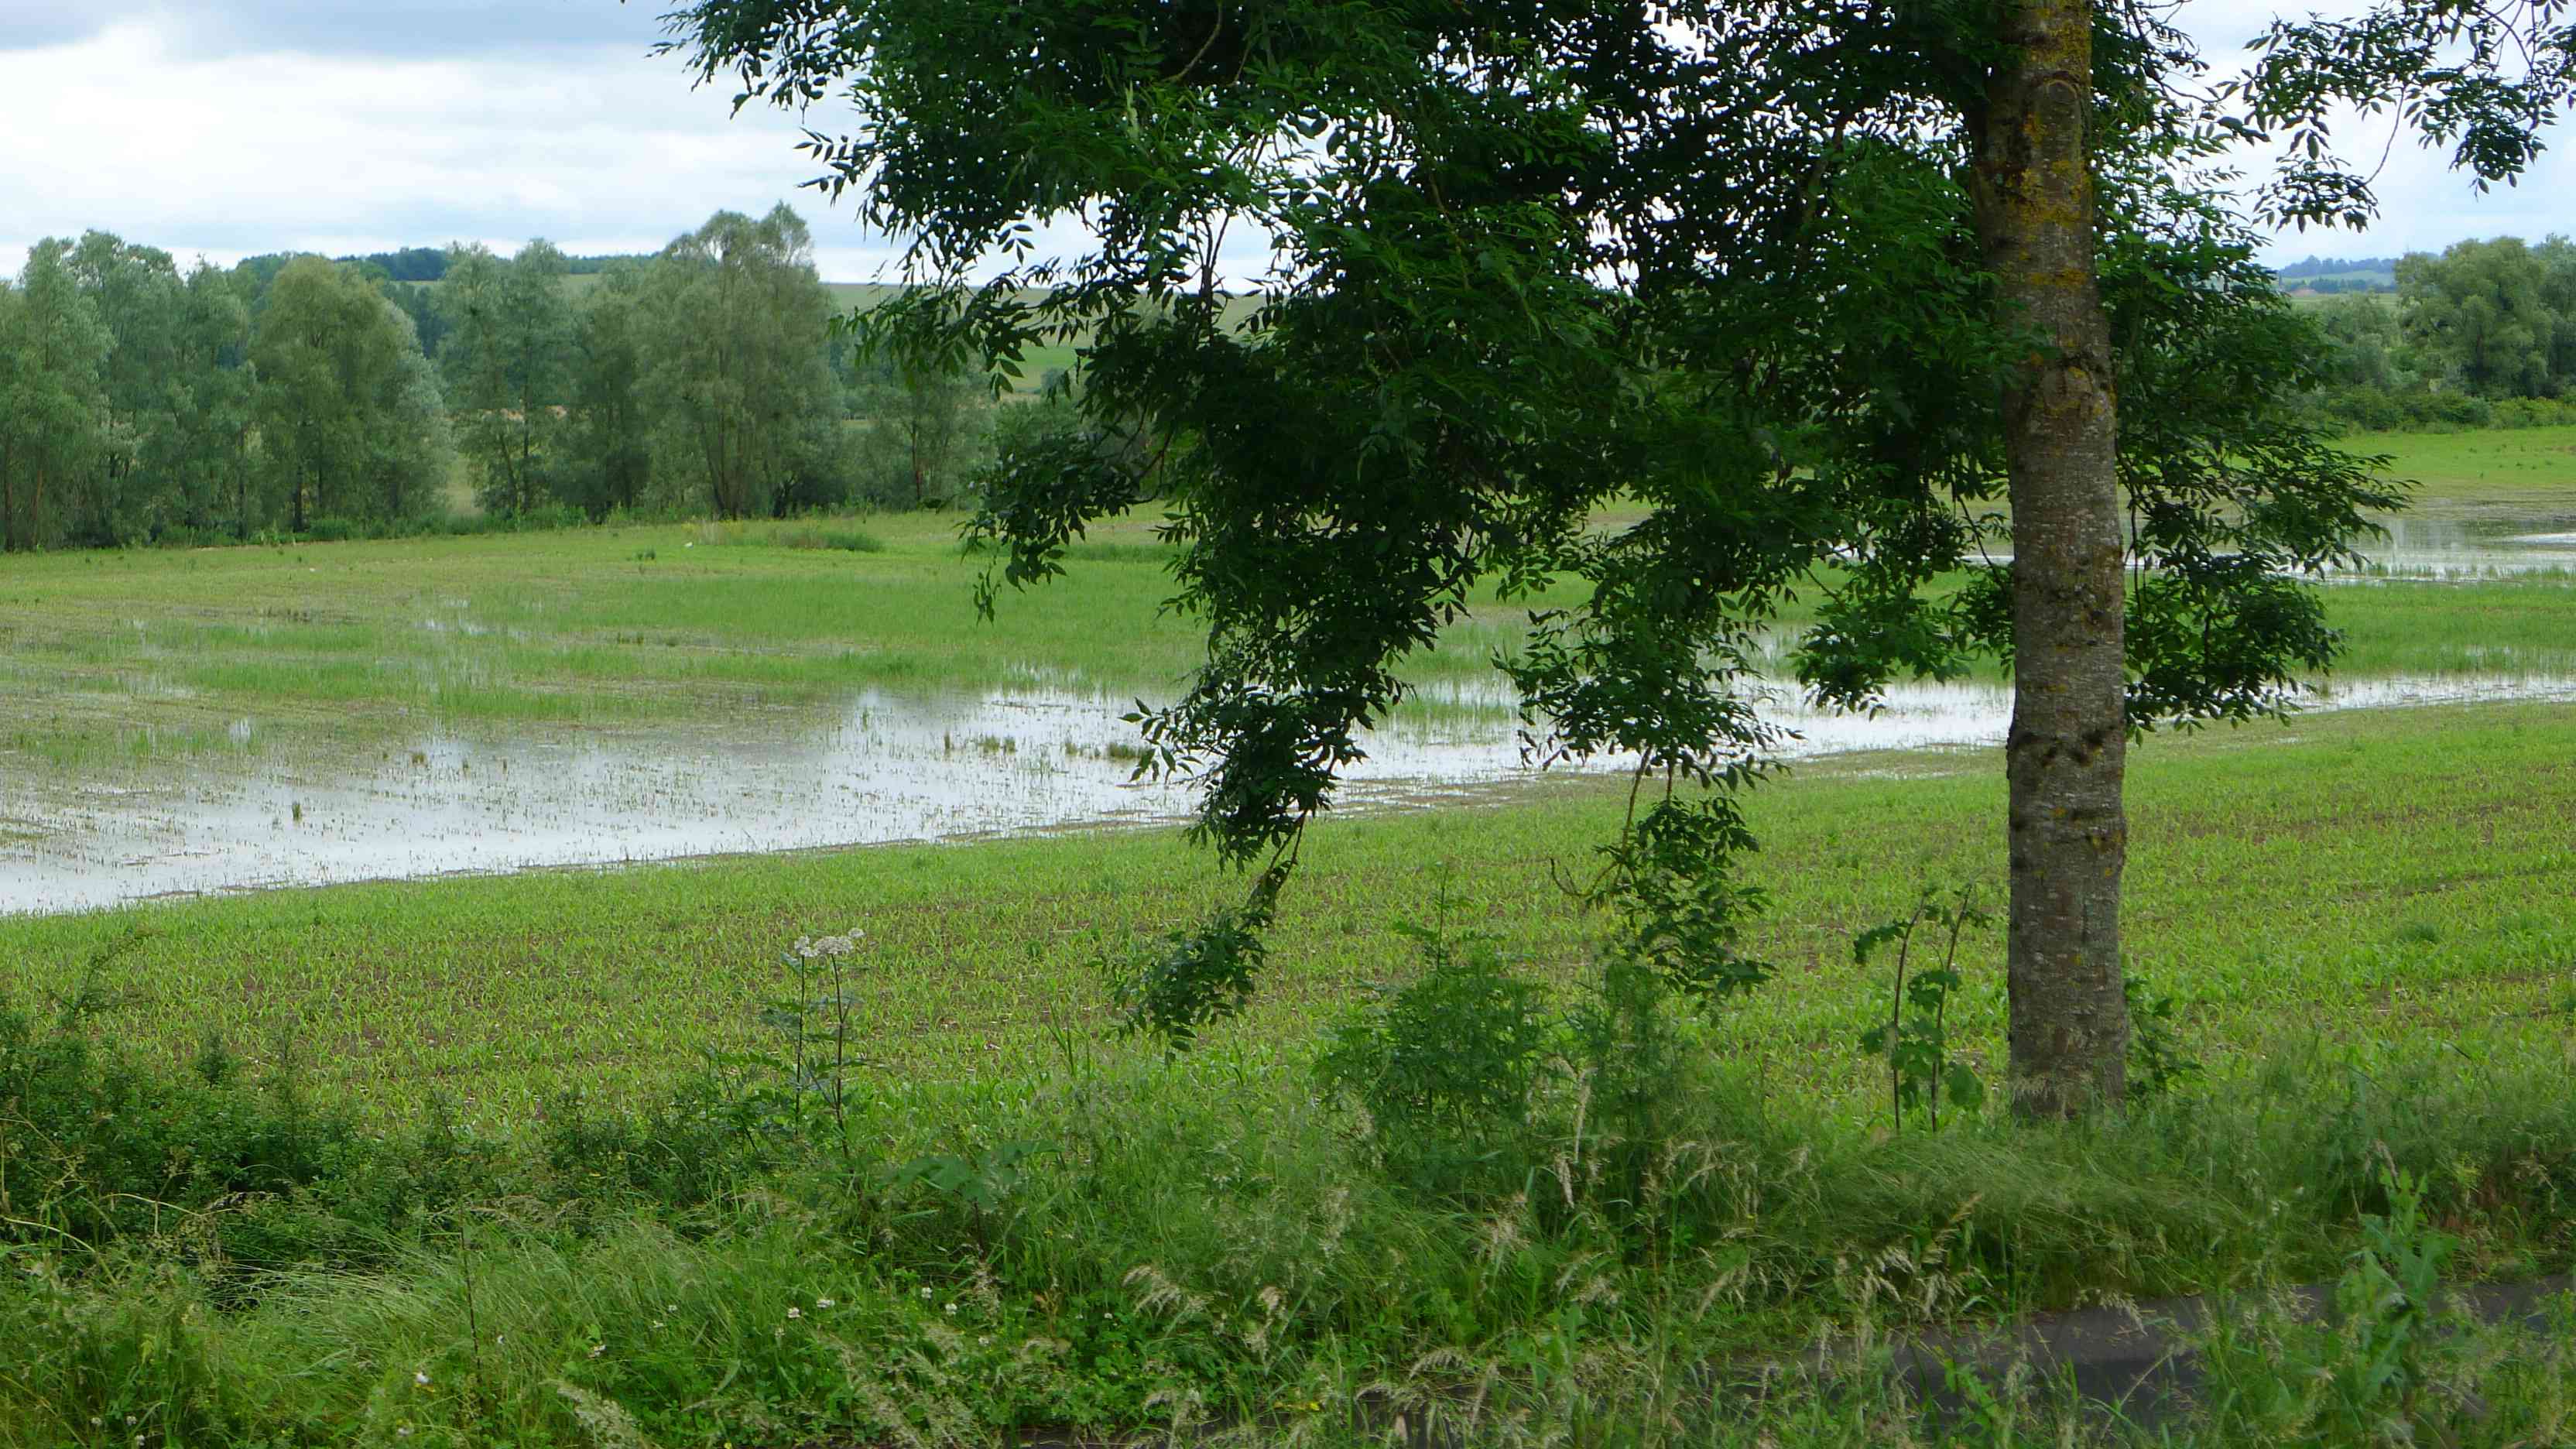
[137, 400]
[706, 376]
[2485, 322]
[142, 402]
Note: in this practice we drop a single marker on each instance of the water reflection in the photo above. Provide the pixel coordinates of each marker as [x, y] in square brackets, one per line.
[2472, 545]
[888, 768]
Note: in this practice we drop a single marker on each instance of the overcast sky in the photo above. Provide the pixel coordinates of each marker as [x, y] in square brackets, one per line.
[224, 128]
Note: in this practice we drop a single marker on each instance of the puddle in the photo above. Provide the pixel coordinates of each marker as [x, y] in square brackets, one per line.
[889, 767]
[2472, 545]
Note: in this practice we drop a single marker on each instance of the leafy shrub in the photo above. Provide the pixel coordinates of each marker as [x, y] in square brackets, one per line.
[2158, 1062]
[1194, 979]
[1452, 1057]
[93, 1148]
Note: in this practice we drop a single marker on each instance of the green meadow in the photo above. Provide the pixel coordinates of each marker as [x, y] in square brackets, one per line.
[118, 655]
[579, 1157]
[2411, 870]
[2488, 468]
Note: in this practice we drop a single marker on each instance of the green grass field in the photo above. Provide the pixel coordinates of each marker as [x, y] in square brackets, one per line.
[137, 654]
[2366, 923]
[2491, 468]
[518, 1159]
[2405, 871]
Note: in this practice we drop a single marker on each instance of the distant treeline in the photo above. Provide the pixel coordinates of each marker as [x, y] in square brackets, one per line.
[427, 264]
[2340, 274]
[141, 403]
[2484, 333]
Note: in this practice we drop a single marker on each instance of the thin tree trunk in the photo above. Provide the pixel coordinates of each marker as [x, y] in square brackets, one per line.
[2068, 836]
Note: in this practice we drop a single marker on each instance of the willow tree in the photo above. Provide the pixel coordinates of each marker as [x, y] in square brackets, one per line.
[348, 412]
[53, 356]
[509, 358]
[741, 377]
[1818, 284]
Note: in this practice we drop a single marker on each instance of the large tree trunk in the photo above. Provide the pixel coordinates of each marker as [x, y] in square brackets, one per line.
[2068, 836]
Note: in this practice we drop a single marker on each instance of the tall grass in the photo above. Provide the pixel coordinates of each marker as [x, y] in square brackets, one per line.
[1119, 1245]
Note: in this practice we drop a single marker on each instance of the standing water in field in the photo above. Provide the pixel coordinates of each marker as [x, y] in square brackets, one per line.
[890, 767]
[285, 802]
[2466, 544]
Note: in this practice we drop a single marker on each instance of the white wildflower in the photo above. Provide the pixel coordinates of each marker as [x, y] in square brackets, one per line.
[795, 1312]
[816, 948]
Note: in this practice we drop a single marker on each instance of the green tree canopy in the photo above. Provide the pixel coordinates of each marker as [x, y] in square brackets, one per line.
[1811, 285]
[349, 415]
[741, 379]
[53, 358]
[611, 429]
[2492, 316]
[509, 360]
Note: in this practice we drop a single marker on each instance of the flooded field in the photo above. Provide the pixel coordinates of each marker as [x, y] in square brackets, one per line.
[2451, 542]
[198, 799]
[891, 768]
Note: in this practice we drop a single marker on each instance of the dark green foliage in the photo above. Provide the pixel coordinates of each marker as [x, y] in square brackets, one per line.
[509, 366]
[349, 414]
[2384, 1370]
[411, 264]
[1584, 1211]
[297, 396]
[2158, 1062]
[96, 1148]
[746, 409]
[1533, 262]
[2484, 80]
[925, 432]
[1195, 978]
[1452, 1056]
[1678, 908]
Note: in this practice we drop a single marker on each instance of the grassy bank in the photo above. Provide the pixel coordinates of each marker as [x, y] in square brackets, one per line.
[2481, 467]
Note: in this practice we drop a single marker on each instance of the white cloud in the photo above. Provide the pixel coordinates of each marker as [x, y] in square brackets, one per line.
[230, 127]
[601, 149]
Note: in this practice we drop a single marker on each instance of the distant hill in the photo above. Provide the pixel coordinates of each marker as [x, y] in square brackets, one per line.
[2325, 276]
